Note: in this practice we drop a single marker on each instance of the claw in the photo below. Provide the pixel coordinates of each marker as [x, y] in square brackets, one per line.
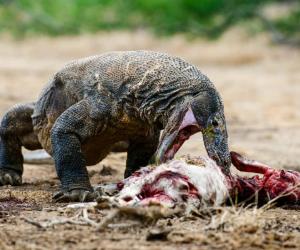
[18, 180]
[8, 177]
[57, 195]
[83, 196]
[1, 180]
[60, 197]
[73, 195]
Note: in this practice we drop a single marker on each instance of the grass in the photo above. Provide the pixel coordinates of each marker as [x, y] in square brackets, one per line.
[208, 18]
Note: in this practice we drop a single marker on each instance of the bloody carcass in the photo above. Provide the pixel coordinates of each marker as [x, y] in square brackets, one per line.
[274, 184]
[200, 182]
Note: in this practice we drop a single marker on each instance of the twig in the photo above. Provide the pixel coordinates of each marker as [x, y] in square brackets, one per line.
[86, 218]
[283, 194]
[80, 218]
[107, 219]
[82, 205]
[53, 222]
[124, 225]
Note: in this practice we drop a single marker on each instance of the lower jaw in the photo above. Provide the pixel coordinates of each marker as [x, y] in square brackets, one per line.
[182, 136]
[171, 152]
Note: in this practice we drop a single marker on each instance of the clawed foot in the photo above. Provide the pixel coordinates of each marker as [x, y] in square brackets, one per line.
[9, 177]
[81, 195]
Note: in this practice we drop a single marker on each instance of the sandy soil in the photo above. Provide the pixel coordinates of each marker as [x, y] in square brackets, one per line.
[260, 85]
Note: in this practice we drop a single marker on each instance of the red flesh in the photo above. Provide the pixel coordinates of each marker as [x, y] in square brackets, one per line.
[282, 185]
[149, 190]
[246, 165]
[183, 135]
[273, 184]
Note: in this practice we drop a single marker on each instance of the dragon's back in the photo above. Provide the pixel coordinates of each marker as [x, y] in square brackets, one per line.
[147, 81]
[130, 68]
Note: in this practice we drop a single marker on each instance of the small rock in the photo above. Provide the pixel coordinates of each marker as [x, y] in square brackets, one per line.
[158, 234]
[107, 170]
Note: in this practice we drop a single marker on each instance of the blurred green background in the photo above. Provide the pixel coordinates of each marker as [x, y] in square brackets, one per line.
[207, 18]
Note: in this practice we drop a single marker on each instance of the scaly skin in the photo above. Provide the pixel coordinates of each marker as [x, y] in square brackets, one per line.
[96, 102]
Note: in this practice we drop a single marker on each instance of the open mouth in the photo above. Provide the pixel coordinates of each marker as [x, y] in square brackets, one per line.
[183, 135]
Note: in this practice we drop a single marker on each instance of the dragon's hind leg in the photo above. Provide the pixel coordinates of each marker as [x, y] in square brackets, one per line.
[16, 130]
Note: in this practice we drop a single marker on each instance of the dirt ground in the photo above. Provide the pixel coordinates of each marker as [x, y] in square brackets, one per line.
[260, 86]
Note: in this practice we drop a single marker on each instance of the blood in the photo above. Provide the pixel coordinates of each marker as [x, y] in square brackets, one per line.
[172, 183]
[246, 165]
[167, 188]
[149, 190]
[127, 198]
[120, 185]
[153, 193]
[183, 135]
[283, 185]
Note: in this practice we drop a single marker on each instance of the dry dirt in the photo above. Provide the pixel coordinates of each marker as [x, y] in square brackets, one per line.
[260, 85]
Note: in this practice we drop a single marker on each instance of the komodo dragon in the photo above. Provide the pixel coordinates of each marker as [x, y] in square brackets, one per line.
[95, 102]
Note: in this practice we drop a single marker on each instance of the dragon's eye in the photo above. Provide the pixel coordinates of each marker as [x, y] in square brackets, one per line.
[215, 123]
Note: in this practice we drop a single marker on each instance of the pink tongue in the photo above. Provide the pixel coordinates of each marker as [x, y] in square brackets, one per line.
[188, 127]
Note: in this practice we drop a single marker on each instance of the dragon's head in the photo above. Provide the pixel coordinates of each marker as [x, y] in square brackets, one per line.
[203, 113]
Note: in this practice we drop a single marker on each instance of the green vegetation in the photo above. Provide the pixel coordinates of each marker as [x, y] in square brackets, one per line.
[290, 25]
[197, 17]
